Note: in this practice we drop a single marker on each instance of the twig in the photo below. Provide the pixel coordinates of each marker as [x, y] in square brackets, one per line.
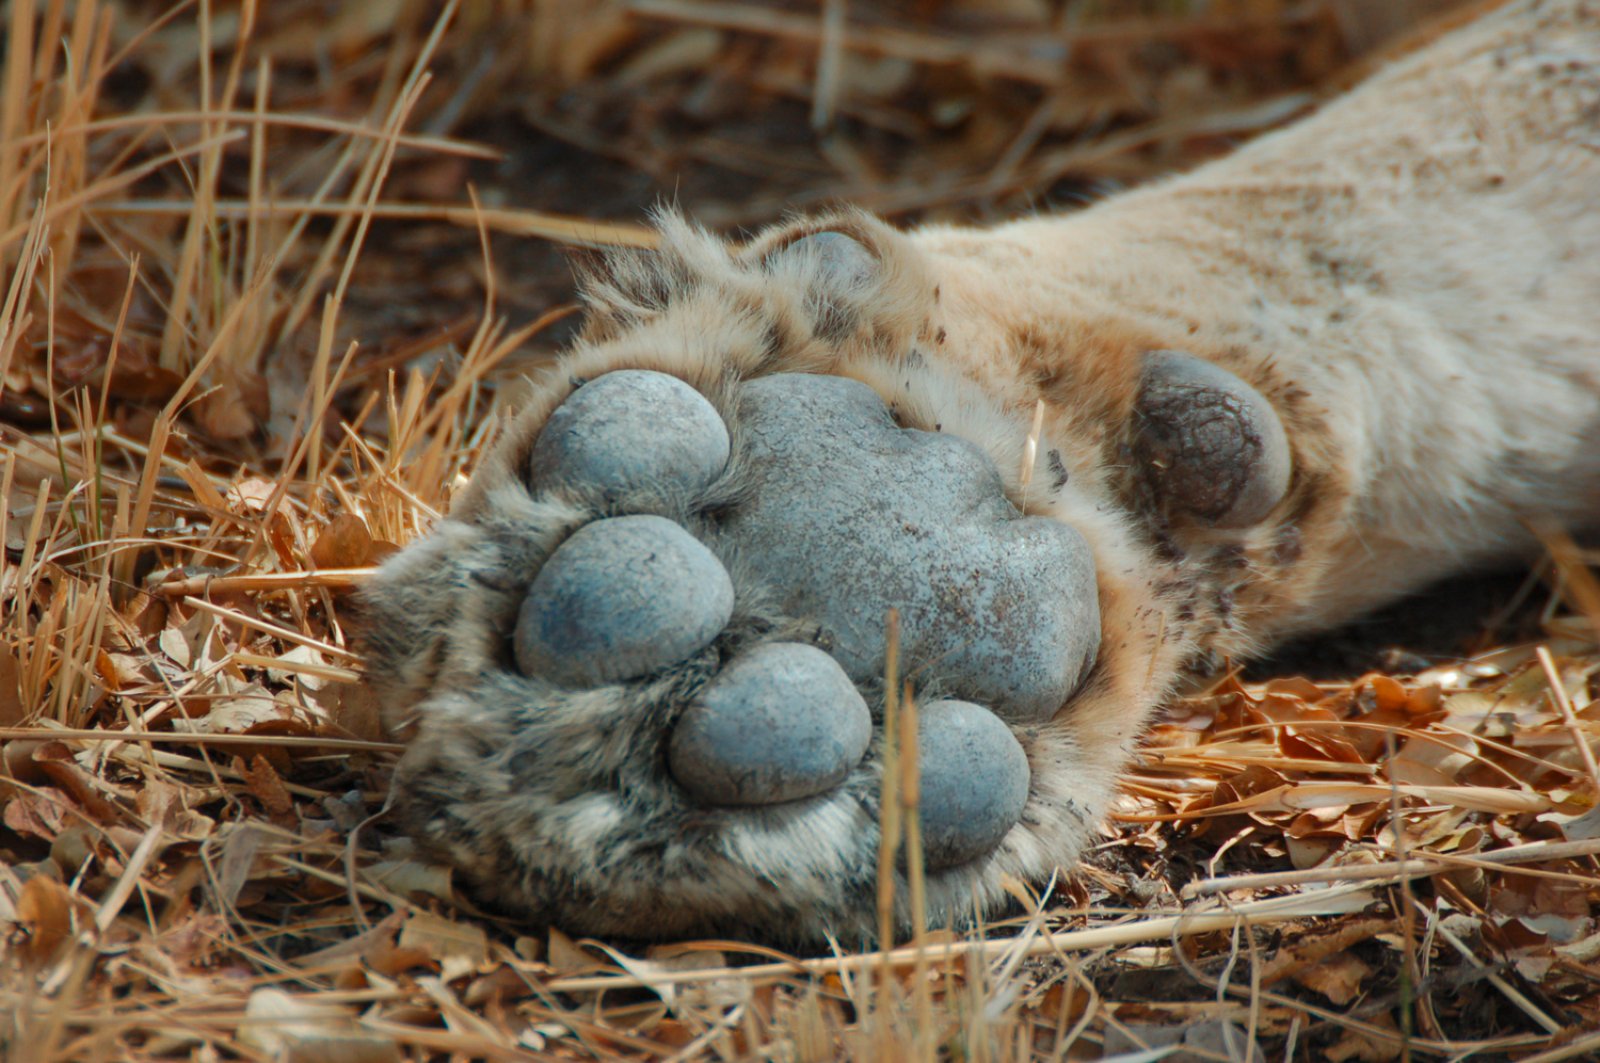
[69, 734]
[1558, 693]
[1416, 866]
[1583, 1048]
[1335, 901]
[318, 671]
[337, 578]
[580, 232]
[275, 630]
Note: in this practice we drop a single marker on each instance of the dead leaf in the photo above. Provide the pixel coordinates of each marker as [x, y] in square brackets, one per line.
[252, 705]
[344, 543]
[44, 913]
[39, 814]
[411, 878]
[61, 767]
[458, 948]
[1309, 852]
[250, 496]
[17, 760]
[565, 957]
[267, 786]
[1338, 977]
[189, 644]
[1359, 1046]
[289, 673]
[1576, 828]
[280, 533]
[240, 845]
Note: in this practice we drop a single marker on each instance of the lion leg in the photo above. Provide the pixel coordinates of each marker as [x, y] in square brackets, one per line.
[1409, 277]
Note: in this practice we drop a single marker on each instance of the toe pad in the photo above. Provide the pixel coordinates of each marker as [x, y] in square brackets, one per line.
[619, 599]
[628, 431]
[974, 783]
[781, 723]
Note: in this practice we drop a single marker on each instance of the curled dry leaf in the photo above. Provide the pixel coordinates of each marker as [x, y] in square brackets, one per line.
[1580, 827]
[344, 543]
[457, 947]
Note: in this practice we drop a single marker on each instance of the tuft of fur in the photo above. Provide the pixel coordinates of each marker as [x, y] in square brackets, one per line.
[1411, 277]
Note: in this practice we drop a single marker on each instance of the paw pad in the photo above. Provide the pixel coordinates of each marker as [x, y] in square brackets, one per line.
[850, 515]
[974, 781]
[780, 723]
[632, 430]
[619, 599]
[859, 515]
[666, 757]
[1211, 445]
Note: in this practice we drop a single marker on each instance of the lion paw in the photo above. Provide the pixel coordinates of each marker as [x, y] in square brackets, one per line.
[658, 662]
[647, 660]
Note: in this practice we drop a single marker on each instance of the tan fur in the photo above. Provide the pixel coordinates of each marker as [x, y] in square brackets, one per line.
[1411, 277]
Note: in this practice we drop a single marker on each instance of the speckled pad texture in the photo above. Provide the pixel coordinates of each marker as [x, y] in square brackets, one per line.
[653, 663]
[872, 516]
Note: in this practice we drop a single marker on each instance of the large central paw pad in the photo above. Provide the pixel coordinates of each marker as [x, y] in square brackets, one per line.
[691, 604]
[856, 515]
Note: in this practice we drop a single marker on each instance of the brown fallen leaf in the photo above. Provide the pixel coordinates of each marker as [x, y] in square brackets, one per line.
[44, 915]
[1338, 977]
[1363, 1048]
[40, 814]
[267, 786]
[458, 947]
[344, 543]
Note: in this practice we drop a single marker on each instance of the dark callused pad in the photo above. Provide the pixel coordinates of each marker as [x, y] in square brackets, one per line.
[974, 781]
[619, 599]
[854, 515]
[780, 723]
[628, 431]
[1210, 445]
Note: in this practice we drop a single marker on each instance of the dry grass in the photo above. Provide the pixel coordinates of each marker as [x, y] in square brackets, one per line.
[253, 333]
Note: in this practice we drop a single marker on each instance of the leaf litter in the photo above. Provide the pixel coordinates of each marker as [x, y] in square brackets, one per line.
[254, 334]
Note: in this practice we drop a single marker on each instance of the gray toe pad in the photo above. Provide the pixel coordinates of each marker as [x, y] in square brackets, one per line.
[780, 723]
[631, 431]
[619, 599]
[974, 781]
